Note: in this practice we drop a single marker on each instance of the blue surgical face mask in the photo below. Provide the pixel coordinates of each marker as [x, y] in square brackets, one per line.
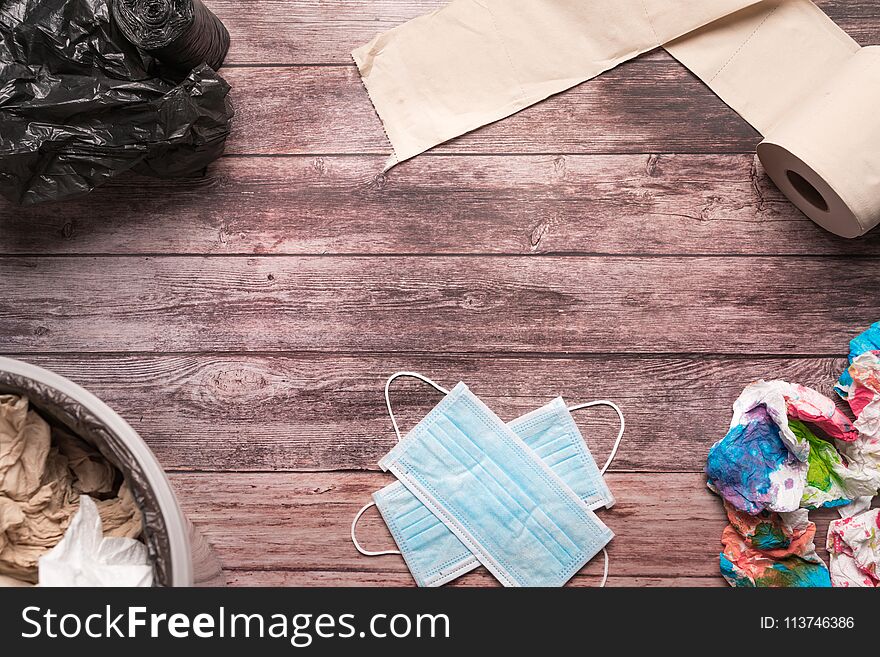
[493, 495]
[551, 433]
[432, 552]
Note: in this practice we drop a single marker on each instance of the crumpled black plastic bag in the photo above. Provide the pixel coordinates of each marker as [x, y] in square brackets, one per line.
[79, 104]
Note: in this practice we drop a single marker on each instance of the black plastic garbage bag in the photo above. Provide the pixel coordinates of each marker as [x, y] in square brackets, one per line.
[79, 104]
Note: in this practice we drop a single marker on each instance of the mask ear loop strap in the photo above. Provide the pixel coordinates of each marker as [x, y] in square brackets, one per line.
[411, 375]
[368, 553]
[441, 389]
[391, 379]
[614, 449]
[605, 575]
[605, 467]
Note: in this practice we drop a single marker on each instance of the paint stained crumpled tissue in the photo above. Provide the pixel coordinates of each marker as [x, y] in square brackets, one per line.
[789, 450]
[863, 343]
[84, 557]
[863, 394]
[771, 460]
[771, 550]
[753, 469]
[785, 400]
[43, 473]
[854, 540]
[854, 546]
[859, 385]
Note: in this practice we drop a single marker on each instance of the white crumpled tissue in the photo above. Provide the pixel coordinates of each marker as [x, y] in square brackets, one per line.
[85, 558]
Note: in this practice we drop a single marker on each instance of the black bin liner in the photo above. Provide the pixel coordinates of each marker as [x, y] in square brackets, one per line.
[79, 104]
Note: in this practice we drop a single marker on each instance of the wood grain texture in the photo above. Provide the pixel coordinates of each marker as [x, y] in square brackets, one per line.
[639, 107]
[326, 31]
[444, 305]
[316, 412]
[689, 204]
[478, 578]
[562, 251]
[667, 529]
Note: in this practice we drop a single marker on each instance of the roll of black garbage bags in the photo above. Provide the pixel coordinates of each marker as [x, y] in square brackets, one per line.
[179, 33]
[80, 104]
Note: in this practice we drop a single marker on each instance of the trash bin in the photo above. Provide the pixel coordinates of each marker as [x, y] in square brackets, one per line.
[181, 556]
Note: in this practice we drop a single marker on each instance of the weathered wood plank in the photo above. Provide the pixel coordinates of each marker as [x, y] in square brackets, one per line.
[694, 204]
[659, 305]
[666, 526]
[314, 412]
[478, 578]
[640, 107]
[321, 31]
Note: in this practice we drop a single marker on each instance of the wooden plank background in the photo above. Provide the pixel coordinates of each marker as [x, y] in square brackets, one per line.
[619, 240]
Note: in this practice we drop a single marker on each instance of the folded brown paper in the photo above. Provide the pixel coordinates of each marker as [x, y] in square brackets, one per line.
[782, 64]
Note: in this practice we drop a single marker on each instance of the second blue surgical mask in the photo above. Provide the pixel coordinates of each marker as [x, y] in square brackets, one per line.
[552, 434]
[433, 552]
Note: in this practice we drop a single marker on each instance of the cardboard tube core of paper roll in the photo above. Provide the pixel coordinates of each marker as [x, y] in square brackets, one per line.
[825, 155]
[803, 187]
[808, 191]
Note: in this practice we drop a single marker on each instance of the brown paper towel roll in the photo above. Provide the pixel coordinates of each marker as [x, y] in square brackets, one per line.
[787, 69]
[783, 65]
[825, 155]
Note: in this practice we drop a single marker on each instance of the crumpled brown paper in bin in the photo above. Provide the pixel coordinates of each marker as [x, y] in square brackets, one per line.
[43, 472]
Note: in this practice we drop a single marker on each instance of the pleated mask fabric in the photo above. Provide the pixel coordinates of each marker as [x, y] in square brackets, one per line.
[433, 553]
[551, 432]
[782, 64]
[505, 505]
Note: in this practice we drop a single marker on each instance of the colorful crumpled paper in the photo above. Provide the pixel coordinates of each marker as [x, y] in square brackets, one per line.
[770, 460]
[863, 392]
[752, 467]
[854, 540]
[863, 388]
[790, 449]
[859, 385]
[784, 400]
[829, 480]
[867, 341]
[771, 550]
[854, 546]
